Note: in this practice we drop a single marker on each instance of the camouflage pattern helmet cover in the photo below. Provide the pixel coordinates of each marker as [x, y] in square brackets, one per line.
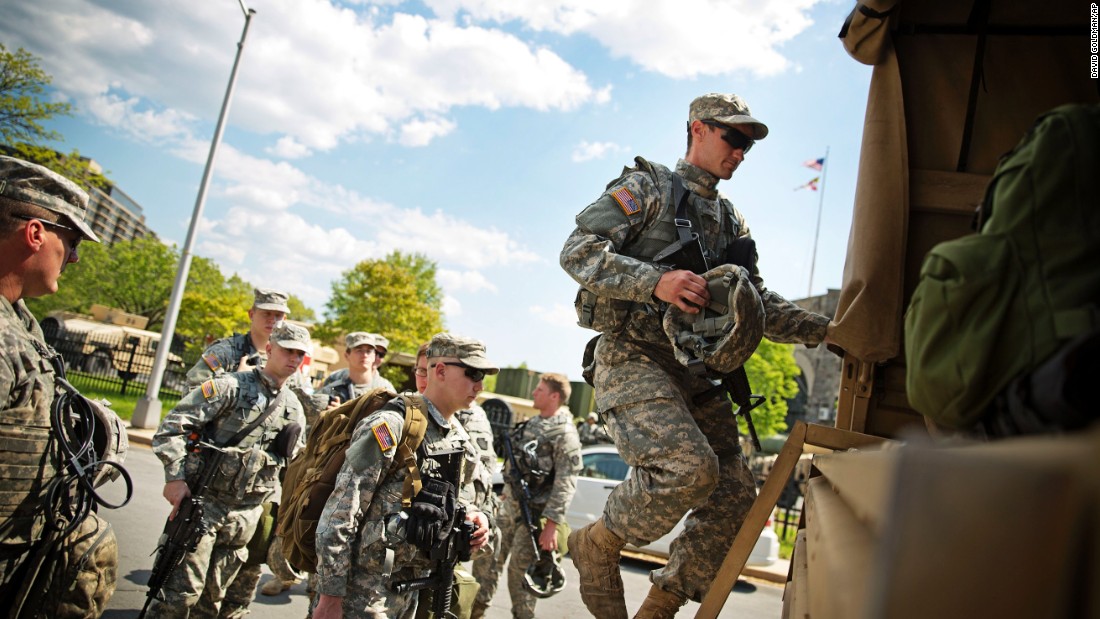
[726, 333]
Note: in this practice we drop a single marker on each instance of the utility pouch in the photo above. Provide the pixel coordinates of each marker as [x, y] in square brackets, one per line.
[602, 314]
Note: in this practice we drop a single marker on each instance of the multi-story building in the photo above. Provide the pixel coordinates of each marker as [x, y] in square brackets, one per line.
[114, 215]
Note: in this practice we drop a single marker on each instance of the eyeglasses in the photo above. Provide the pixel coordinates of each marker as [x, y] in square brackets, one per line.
[72, 244]
[473, 374]
[421, 372]
[732, 136]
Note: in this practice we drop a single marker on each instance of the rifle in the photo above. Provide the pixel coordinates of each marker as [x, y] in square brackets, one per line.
[444, 555]
[522, 491]
[182, 534]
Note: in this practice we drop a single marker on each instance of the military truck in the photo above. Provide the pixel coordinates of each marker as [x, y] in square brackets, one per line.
[905, 517]
[110, 343]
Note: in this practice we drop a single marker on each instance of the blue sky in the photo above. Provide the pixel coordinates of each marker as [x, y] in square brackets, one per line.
[472, 131]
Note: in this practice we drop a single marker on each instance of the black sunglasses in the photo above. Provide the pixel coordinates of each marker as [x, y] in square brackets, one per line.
[732, 136]
[473, 374]
[79, 235]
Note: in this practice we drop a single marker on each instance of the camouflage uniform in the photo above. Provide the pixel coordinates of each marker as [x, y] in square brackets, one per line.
[685, 453]
[219, 358]
[559, 455]
[352, 538]
[223, 356]
[592, 433]
[338, 384]
[248, 476]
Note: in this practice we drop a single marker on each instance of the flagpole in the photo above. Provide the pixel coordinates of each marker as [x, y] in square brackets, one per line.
[817, 231]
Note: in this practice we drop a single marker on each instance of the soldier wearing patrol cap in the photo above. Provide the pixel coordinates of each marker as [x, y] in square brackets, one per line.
[364, 353]
[41, 226]
[243, 350]
[366, 540]
[204, 422]
[639, 249]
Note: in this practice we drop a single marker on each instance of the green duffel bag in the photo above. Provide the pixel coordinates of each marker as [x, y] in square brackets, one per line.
[992, 306]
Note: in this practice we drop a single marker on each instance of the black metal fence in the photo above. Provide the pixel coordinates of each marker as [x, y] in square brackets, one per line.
[118, 360]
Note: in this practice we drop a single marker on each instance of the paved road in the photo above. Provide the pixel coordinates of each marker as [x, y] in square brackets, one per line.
[139, 524]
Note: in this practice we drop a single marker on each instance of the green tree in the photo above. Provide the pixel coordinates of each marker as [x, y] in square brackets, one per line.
[72, 166]
[299, 311]
[137, 276]
[397, 296]
[22, 106]
[772, 371]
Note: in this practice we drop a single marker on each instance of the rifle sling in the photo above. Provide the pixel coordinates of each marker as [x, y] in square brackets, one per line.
[245, 431]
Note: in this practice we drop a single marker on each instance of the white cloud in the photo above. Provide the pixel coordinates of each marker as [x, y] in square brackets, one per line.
[315, 73]
[467, 282]
[451, 306]
[677, 38]
[587, 151]
[421, 132]
[288, 148]
[558, 315]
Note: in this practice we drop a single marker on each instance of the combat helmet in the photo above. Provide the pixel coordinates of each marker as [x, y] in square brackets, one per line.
[545, 577]
[724, 334]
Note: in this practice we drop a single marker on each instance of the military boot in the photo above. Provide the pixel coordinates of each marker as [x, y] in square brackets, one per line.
[660, 604]
[595, 553]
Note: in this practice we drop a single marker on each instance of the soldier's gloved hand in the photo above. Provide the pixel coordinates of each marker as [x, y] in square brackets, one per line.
[425, 524]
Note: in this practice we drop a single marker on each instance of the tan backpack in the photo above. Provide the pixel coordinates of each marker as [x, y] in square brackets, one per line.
[311, 475]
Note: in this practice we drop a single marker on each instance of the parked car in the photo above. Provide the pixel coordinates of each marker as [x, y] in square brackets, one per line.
[602, 470]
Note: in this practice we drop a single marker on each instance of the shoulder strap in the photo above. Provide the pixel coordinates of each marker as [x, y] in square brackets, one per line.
[245, 431]
[416, 424]
[680, 199]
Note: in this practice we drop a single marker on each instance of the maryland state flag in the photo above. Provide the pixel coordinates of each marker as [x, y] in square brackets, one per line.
[812, 185]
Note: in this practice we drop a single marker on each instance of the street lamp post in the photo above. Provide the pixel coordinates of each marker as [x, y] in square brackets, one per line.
[147, 410]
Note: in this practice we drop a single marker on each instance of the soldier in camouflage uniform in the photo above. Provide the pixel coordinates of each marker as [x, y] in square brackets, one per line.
[681, 443]
[41, 225]
[243, 350]
[593, 431]
[361, 549]
[480, 493]
[552, 479]
[362, 351]
[249, 472]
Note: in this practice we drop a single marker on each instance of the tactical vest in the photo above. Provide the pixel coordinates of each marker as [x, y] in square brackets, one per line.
[24, 436]
[249, 473]
[605, 314]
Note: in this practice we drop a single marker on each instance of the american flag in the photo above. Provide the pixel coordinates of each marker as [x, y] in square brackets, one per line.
[815, 164]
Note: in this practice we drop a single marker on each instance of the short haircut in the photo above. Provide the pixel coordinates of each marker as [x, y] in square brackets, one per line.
[559, 384]
[421, 352]
[10, 210]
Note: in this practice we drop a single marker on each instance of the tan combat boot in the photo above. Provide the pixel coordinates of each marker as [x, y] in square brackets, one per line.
[595, 553]
[276, 585]
[660, 604]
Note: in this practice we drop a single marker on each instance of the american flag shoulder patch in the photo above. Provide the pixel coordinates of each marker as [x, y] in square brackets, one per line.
[626, 201]
[212, 362]
[209, 389]
[384, 436]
